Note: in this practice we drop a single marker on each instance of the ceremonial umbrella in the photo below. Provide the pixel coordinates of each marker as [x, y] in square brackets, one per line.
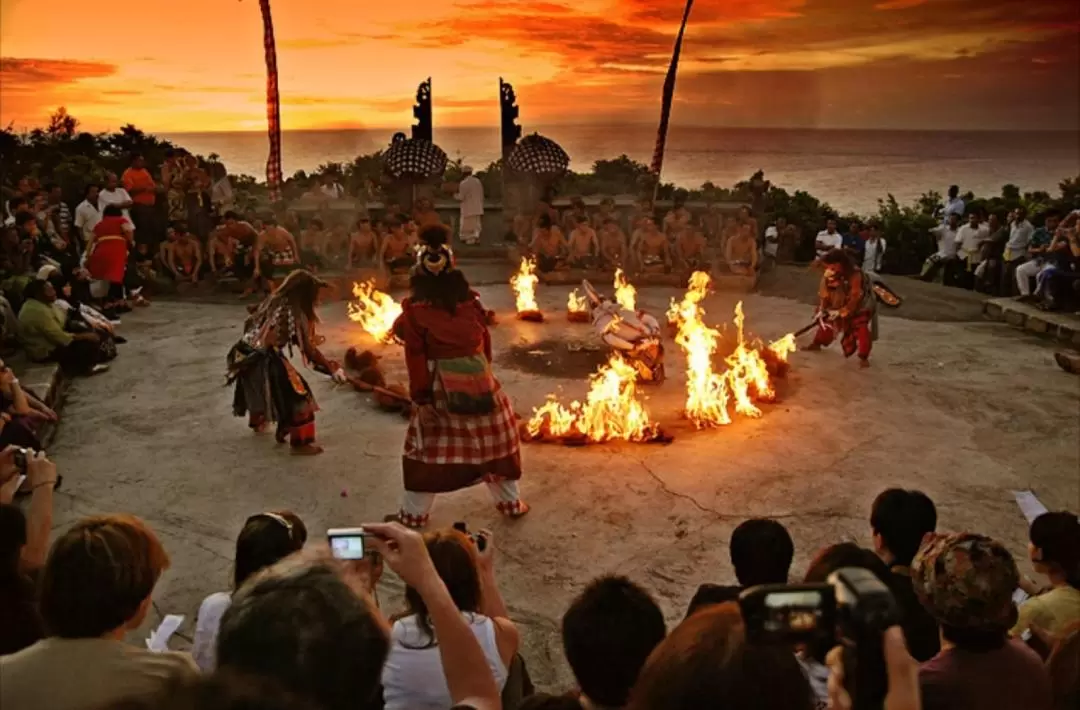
[413, 159]
[537, 155]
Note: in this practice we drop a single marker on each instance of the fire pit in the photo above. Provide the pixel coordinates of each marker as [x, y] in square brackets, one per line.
[577, 308]
[524, 285]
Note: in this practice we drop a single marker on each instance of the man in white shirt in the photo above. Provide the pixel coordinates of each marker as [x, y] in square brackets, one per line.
[946, 251]
[114, 194]
[1020, 233]
[874, 250]
[331, 189]
[828, 239]
[969, 241]
[88, 214]
[471, 195]
[954, 205]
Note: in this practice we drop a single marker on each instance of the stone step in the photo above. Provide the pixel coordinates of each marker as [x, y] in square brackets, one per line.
[1064, 327]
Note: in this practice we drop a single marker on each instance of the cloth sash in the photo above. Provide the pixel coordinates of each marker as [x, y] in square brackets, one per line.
[468, 383]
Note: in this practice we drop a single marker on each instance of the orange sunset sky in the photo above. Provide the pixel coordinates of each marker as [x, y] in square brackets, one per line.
[197, 65]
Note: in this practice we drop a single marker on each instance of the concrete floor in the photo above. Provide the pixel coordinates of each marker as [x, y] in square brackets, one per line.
[967, 412]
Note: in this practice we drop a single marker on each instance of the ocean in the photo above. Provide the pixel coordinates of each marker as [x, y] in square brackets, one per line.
[849, 169]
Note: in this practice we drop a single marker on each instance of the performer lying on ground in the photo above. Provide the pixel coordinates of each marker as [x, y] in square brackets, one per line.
[634, 335]
[613, 249]
[651, 248]
[268, 387]
[548, 245]
[395, 256]
[463, 429]
[741, 252]
[583, 246]
[847, 306]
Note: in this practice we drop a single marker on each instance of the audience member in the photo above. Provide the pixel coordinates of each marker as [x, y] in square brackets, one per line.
[114, 194]
[1041, 239]
[873, 250]
[42, 334]
[16, 425]
[221, 691]
[264, 539]
[827, 239]
[1055, 552]
[59, 212]
[1063, 666]
[413, 677]
[945, 256]
[854, 243]
[707, 662]
[966, 582]
[953, 206]
[222, 197]
[902, 676]
[899, 520]
[761, 552]
[970, 239]
[24, 544]
[88, 214]
[608, 633]
[95, 588]
[140, 185]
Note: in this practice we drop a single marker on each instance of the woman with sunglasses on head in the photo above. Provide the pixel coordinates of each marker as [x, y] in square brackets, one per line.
[264, 539]
[462, 430]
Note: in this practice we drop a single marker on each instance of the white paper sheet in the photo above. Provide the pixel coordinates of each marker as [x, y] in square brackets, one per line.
[159, 637]
[1030, 506]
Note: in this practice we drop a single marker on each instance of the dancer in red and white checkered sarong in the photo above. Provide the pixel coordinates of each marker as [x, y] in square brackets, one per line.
[463, 429]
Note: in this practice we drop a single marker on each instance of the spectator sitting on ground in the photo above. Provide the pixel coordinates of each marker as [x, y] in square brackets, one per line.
[16, 424]
[827, 239]
[413, 677]
[761, 552]
[309, 623]
[45, 340]
[608, 633]
[96, 587]
[966, 582]
[1063, 666]
[1038, 248]
[24, 544]
[77, 315]
[707, 662]
[899, 520]
[264, 539]
[1055, 552]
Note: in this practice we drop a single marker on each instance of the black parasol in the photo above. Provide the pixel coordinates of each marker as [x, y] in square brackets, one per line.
[413, 158]
[537, 155]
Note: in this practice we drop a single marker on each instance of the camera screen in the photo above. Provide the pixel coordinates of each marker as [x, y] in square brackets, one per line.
[799, 611]
[348, 547]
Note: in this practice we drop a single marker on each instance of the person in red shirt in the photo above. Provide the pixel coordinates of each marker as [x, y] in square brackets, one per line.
[143, 190]
[462, 429]
[108, 253]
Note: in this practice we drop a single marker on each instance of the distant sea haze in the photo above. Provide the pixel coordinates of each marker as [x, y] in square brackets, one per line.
[849, 169]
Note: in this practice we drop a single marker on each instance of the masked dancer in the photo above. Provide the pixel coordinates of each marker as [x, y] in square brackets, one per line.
[268, 387]
[847, 306]
[463, 429]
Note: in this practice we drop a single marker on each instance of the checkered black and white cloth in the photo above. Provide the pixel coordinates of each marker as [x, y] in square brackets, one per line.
[416, 158]
[537, 155]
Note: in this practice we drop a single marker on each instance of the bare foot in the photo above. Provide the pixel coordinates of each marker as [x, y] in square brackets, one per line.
[863, 364]
[307, 450]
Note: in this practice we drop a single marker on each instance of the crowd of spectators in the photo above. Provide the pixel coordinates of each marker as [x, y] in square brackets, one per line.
[302, 629]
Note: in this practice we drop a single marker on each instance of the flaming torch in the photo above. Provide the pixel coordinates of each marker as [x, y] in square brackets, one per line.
[577, 307]
[524, 285]
[625, 293]
[374, 310]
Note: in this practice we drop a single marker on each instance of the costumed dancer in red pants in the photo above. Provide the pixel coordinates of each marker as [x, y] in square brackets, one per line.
[847, 307]
[463, 429]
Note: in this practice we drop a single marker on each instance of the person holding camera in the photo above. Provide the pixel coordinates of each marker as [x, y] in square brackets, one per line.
[966, 582]
[265, 539]
[24, 544]
[413, 677]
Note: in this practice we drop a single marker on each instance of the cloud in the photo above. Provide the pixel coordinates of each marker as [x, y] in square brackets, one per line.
[21, 74]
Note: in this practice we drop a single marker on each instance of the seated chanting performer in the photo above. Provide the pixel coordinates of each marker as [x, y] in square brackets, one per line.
[690, 247]
[583, 245]
[652, 248]
[363, 242]
[463, 429]
[395, 255]
[741, 251]
[548, 244]
[276, 254]
[613, 249]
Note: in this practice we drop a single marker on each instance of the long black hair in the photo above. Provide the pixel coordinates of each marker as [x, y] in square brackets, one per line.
[445, 287]
[265, 539]
[1057, 536]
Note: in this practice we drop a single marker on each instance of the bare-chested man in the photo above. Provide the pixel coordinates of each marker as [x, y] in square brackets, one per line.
[746, 218]
[548, 244]
[643, 209]
[583, 246]
[613, 248]
[424, 213]
[713, 223]
[363, 243]
[742, 251]
[605, 212]
[652, 248]
[678, 218]
[276, 254]
[690, 248]
[183, 255]
[570, 217]
[222, 252]
[395, 252]
[313, 241]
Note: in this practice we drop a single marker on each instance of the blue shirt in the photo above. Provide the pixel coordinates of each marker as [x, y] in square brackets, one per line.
[854, 242]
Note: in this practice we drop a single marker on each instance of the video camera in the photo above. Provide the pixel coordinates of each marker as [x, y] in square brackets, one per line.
[853, 609]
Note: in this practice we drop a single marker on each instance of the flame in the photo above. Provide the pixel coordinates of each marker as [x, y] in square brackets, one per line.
[611, 410]
[746, 379]
[625, 294]
[524, 285]
[576, 303]
[374, 310]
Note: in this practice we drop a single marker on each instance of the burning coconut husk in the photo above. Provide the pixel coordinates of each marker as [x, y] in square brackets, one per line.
[524, 284]
[611, 411]
[577, 308]
[745, 380]
[375, 311]
[625, 293]
[369, 378]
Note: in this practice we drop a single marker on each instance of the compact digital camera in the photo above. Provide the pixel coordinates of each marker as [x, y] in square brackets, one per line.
[479, 540]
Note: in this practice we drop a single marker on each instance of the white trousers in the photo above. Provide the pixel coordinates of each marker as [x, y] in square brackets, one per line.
[416, 507]
[1024, 273]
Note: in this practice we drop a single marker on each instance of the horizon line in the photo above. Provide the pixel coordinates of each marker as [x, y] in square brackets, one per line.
[495, 127]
